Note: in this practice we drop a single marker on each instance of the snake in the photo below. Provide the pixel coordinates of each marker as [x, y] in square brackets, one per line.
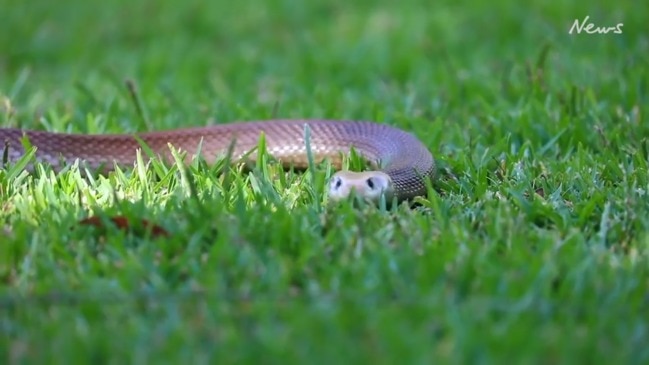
[401, 165]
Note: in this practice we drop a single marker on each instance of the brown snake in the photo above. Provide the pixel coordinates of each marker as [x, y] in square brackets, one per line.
[402, 162]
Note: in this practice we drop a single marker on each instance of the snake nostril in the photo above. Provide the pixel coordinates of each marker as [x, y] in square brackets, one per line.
[370, 183]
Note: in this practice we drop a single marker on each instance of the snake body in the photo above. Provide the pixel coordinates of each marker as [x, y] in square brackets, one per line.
[402, 162]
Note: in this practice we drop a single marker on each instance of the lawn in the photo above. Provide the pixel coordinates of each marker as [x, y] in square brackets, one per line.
[531, 248]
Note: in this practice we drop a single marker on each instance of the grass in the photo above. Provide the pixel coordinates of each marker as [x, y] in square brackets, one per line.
[533, 247]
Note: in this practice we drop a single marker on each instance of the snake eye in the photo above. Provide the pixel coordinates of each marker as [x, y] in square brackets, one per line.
[370, 183]
[338, 183]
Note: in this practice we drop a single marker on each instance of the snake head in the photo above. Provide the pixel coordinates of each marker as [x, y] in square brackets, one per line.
[367, 185]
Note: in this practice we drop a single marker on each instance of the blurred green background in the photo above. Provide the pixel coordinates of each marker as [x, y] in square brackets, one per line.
[334, 58]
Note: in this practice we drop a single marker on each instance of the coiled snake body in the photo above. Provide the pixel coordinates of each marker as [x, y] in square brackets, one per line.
[402, 162]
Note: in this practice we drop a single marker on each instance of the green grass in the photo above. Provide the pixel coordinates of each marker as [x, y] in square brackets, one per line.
[533, 247]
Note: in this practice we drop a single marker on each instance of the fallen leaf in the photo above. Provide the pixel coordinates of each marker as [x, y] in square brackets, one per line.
[122, 222]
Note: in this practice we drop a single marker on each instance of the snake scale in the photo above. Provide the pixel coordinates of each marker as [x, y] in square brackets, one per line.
[401, 163]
